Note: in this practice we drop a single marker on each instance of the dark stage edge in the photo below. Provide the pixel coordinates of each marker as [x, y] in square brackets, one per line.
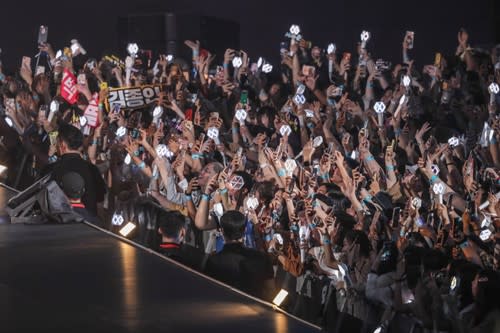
[75, 278]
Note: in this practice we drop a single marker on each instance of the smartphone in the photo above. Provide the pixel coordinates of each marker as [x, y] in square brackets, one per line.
[308, 71]
[42, 111]
[82, 79]
[291, 185]
[39, 70]
[410, 35]
[244, 97]
[134, 134]
[396, 212]
[26, 62]
[43, 33]
[116, 107]
[10, 103]
[386, 251]
[437, 59]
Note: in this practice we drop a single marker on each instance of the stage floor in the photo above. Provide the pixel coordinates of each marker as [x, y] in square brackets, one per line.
[74, 278]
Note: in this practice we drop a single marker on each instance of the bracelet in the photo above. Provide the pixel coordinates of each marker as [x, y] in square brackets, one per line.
[282, 172]
[433, 179]
[141, 165]
[369, 158]
[188, 197]
[95, 142]
[389, 167]
[235, 130]
[205, 196]
[223, 191]
[225, 65]
[196, 156]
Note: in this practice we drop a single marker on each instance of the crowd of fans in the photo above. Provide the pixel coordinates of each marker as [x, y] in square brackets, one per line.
[365, 189]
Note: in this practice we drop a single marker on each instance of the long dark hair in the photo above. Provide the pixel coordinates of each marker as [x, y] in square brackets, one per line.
[488, 289]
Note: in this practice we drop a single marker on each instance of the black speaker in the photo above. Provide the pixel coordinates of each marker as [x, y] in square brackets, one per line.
[165, 33]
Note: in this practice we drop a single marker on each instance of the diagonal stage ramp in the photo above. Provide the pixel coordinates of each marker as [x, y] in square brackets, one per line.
[77, 278]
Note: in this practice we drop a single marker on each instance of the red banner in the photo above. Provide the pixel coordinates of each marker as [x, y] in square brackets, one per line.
[92, 111]
[68, 87]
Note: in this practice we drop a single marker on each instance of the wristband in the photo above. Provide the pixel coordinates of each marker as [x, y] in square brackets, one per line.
[325, 176]
[225, 65]
[312, 225]
[282, 172]
[137, 152]
[188, 197]
[368, 198]
[433, 179]
[196, 53]
[369, 158]
[369, 84]
[493, 140]
[223, 191]
[52, 158]
[397, 131]
[196, 156]
[95, 142]
[205, 196]
[268, 237]
[235, 130]
[389, 167]
[2, 77]
[325, 240]
[142, 165]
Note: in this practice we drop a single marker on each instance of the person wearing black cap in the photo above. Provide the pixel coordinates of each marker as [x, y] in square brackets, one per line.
[246, 269]
[73, 187]
[70, 141]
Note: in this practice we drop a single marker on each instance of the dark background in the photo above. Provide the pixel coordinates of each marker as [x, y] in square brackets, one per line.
[262, 23]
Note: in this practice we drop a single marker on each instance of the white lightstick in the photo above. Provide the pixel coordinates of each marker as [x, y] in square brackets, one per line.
[285, 130]
[241, 116]
[453, 142]
[493, 89]
[379, 109]
[365, 36]
[237, 62]
[267, 68]
[132, 49]
[213, 133]
[438, 189]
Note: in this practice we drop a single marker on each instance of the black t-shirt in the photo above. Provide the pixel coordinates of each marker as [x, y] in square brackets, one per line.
[95, 188]
[244, 268]
[185, 254]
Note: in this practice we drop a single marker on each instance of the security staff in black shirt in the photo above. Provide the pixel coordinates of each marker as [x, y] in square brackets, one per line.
[69, 145]
[246, 269]
[172, 228]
